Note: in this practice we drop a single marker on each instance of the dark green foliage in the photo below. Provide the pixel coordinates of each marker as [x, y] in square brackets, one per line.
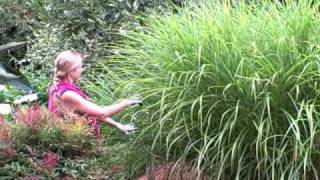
[15, 24]
[89, 26]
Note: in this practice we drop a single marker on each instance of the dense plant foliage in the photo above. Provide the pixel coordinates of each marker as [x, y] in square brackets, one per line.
[39, 145]
[53, 26]
[9, 94]
[20, 17]
[14, 21]
[233, 88]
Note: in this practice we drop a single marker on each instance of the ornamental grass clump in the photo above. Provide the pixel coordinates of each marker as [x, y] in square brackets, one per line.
[233, 88]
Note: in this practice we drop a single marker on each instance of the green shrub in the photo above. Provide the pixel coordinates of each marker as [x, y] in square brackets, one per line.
[37, 65]
[15, 26]
[14, 23]
[89, 26]
[232, 88]
[9, 94]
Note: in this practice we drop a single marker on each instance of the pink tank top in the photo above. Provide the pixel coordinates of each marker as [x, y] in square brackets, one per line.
[58, 90]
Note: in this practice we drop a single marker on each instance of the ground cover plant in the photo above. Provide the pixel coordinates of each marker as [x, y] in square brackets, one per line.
[231, 88]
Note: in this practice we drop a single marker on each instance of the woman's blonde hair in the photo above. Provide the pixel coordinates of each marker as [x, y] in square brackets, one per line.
[65, 63]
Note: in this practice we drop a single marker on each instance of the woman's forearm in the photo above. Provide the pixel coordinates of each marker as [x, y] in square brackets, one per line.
[111, 122]
[113, 109]
[125, 128]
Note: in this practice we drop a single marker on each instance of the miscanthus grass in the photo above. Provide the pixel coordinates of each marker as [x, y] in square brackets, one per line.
[232, 88]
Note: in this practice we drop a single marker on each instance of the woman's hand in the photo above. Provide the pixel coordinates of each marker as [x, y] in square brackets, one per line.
[132, 102]
[127, 128]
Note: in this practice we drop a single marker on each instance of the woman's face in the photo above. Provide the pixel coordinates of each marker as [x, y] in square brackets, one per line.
[76, 73]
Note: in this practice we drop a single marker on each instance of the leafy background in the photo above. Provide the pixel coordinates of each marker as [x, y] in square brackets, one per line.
[230, 88]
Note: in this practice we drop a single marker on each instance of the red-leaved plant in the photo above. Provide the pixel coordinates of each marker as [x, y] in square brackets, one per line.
[49, 160]
[31, 178]
[174, 170]
[5, 131]
[31, 117]
[9, 152]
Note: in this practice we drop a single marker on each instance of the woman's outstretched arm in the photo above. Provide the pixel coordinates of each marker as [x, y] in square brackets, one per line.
[75, 101]
[125, 128]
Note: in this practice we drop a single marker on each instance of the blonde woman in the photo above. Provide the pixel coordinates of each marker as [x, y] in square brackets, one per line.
[65, 97]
